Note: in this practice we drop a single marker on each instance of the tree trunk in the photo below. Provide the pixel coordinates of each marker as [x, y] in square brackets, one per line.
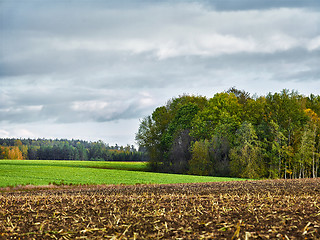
[300, 172]
[317, 163]
[279, 170]
[313, 175]
[285, 171]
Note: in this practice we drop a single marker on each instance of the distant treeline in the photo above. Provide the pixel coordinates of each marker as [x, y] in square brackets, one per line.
[63, 149]
[235, 134]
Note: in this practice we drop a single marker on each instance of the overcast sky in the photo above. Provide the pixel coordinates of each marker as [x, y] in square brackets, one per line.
[90, 69]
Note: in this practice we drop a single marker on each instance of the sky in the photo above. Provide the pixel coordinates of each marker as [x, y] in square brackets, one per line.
[92, 69]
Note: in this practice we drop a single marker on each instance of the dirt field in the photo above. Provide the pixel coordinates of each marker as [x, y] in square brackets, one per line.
[279, 209]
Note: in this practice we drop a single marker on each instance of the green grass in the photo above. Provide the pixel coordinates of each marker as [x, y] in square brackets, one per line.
[44, 172]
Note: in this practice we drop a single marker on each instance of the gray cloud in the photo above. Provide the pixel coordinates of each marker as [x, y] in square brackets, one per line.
[234, 5]
[68, 62]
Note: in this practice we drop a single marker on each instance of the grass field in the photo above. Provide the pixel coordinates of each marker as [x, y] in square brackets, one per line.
[44, 172]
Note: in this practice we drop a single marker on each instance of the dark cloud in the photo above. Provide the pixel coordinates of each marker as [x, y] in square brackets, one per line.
[236, 5]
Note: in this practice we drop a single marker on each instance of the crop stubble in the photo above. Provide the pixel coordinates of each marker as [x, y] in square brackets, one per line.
[269, 209]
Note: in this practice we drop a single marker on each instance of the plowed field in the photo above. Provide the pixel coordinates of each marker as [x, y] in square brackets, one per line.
[277, 209]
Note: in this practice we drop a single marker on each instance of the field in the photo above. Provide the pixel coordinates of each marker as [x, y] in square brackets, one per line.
[268, 209]
[45, 172]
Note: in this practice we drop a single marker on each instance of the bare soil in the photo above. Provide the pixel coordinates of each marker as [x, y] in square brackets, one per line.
[268, 209]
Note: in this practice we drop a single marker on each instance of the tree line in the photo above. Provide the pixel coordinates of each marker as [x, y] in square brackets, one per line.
[235, 134]
[63, 149]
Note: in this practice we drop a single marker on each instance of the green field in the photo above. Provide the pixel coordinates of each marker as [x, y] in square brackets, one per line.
[44, 172]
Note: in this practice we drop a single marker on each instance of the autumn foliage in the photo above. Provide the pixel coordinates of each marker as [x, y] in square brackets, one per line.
[10, 153]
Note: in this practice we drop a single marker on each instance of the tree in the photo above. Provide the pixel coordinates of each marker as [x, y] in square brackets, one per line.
[97, 151]
[278, 144]
[4, 152]
[179, 154]
[245, 157]
[177, 139]
[287, 111]
[242, 95]
[279, 124]
[222, 108]
[33, 152]
[313, 103]
[10, 152]
[200, 163]
[82, 152]
[306, 153]
[165, 134]
[221, 143]
[149, 137]
[255, 111]
[181, 121]
[314, 125]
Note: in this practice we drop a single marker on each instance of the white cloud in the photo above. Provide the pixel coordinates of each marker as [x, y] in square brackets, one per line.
[4, 133]
[89, 106]
[314, 44]
[121, 132]
[146, 100]
[16, 132]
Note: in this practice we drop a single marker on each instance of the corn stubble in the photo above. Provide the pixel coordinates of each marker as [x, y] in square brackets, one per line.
[270, 209]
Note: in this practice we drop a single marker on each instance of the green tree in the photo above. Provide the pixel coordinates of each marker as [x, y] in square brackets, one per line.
[306, 153]
[314, 126]
[245, 158]
[313, 103]
[149, 137]
[82, 152]
[287, 111]
[181, 121]
[222, 141]
[96, 152]
[278, 144]
[179, 154]
[200, 163]
[281, 126]
[177, 139]
[222, 108]
[255, 111]
[165, 134]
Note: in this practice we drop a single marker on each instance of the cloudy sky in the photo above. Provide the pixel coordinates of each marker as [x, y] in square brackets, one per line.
[90, 69]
